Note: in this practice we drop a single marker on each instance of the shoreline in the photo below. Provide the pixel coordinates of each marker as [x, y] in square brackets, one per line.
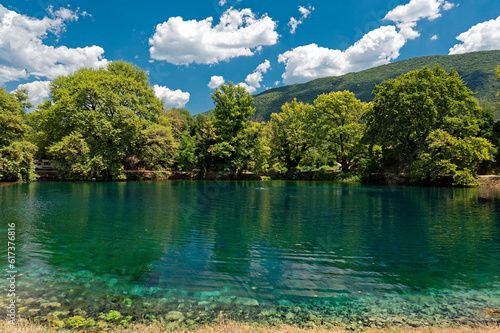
[485, 181]
[229, 326]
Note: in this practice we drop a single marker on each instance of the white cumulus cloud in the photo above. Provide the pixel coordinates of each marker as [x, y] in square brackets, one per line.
[377, 47]
[38, 91]
[24, 54]
[481, 37]
[305, 13]
[308, 62]
[253, 80]
[239, 33]
[171, 98]
[407, 16]
[216, 81]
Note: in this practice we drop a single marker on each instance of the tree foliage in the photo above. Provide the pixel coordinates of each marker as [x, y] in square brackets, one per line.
[421, 117]
[109, 109]
[292, 133]
[16, 153]
[447, 154]
[341, 126]
[223, 135]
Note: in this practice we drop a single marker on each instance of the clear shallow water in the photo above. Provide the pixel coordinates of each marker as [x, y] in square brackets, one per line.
[330, 249]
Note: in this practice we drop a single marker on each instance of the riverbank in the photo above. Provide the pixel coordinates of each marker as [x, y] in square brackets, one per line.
[25, 326]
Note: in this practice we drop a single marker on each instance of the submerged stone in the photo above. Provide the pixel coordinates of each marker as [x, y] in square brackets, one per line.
[52, 305]
[174, 316]
[246, 301]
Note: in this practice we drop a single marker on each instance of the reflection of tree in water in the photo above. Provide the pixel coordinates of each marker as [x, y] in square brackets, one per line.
[289, 239]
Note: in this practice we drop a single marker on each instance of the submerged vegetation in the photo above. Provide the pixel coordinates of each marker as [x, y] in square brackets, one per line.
[102, 124]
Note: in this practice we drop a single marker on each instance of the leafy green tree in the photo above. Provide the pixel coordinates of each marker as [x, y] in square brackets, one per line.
[16, 153]
[187, 158]
[207, 141]
[109, 108]
[252, 150]
[75, 161]
[157, 148]
[447, 154]
[181, 121]
[341, 126]
[233, 108]
[406, 110]
[292, 133]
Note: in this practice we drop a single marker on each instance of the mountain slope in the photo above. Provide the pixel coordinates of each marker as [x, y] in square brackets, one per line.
[477, 70]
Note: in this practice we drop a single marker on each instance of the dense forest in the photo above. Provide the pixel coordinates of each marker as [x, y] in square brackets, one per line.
[99, 124]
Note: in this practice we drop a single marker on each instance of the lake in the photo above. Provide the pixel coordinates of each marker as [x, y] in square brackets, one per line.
[306, 253]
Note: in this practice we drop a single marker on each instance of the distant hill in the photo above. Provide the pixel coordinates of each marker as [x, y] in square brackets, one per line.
[477, 70]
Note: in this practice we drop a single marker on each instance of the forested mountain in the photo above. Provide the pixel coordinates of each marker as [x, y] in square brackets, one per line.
[477, 70]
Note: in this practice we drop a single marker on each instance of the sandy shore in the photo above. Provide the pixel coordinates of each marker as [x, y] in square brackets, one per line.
[25, 326]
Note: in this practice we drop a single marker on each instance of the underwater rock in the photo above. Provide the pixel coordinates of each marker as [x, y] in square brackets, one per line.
[290, 316]
[246, 301]
[33, 312]
[52, 305]
[268, 313]
[174, 316]
[226, 299]
[206, 294]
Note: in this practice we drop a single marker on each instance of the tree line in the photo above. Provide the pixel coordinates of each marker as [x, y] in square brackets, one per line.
[99, 122]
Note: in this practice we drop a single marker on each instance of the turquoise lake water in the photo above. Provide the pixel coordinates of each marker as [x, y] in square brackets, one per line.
[257, 250]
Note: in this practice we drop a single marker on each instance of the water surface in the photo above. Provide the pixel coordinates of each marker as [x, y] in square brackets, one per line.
[318, 246]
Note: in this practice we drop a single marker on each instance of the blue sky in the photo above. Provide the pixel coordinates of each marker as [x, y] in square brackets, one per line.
[189, 47]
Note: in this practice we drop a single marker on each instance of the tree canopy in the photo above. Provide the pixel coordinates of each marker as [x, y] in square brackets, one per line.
[341, 127]
[407, 109]
[100, 113]
[16, 153]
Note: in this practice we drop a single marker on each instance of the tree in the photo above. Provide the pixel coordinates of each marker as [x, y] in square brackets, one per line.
[187, 158]
[16, 153]
[181, 121]
[447, 154]
[292, 133]
[341, 126]
[158, 149]
[108, 108]
[406, 110]
[233, 108]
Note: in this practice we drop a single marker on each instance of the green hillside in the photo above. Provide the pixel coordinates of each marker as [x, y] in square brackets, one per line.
[477, 69]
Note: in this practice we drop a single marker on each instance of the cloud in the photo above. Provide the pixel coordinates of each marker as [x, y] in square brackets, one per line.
[308, 62]
[435, 37]
[377, 47]
[481, 37]
[38, 91]
[24, 54]
[407, 16]
[171, 98]
[239, 33]
[224, 2]
[216, 81]
[305, 12]
[253, 80]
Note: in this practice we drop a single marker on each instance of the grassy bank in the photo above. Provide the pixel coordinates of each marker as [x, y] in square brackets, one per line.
[25, 326]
